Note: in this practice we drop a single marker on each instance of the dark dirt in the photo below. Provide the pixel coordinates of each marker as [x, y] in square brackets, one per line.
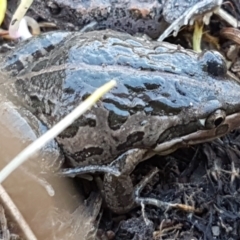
[205, 179]
[135, 16]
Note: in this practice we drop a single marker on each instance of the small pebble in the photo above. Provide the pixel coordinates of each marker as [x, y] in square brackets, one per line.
[215, 230]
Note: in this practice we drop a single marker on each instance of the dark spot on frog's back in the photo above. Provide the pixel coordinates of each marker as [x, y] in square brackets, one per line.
[68, 91]
[164, 106]
[115, 121]
[38, 54]
[72, 130]
[135, 88]
[40, 65]
[152, 86]
[116, 116]
[132, 140]
[86, 153]
[14, 68]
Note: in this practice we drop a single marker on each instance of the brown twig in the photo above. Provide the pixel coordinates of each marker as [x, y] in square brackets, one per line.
[16, 215]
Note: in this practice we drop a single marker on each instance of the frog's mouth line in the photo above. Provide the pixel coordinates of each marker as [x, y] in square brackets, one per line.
[231, 122]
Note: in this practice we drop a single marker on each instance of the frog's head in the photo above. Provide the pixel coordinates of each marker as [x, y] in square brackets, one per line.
[210, 105]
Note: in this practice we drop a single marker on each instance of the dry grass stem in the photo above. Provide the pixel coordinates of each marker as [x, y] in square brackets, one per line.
[16, 215]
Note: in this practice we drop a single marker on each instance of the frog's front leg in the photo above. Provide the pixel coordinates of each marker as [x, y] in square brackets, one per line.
[119, 192]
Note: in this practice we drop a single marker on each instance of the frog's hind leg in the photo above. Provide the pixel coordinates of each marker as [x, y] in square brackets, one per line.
[119, 191]
[120, 194]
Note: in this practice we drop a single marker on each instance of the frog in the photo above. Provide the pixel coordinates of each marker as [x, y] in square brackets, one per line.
[166, 98]
[157, 19]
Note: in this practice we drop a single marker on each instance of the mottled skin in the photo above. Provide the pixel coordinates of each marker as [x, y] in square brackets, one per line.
[165, 98]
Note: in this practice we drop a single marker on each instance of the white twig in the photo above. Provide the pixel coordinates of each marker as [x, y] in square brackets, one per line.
[18, 16]
[23, 31]
[227, 17]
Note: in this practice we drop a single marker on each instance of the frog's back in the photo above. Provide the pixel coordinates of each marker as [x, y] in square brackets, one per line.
[58, 70]
[156, 82]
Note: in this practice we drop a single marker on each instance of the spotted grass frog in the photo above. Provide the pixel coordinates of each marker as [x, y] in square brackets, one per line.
[166, 98]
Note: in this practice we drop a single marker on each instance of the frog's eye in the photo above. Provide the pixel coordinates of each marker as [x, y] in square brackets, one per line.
[215, 119]
[213, 63]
